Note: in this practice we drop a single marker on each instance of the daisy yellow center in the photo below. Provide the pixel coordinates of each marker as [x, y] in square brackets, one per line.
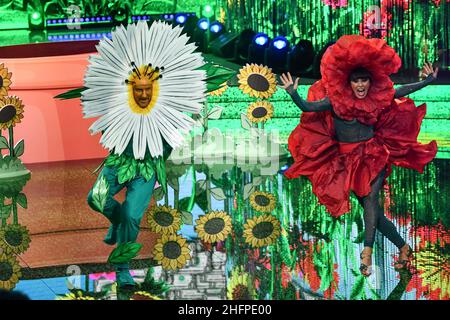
[163, 218]
[263, 230]
[7, 113]
[6, 271]
[259, 112]
[146, 83]
[258, 82]
[13, 238]
[172, 250]
[262, 200]
[241, 292]
[214, 225]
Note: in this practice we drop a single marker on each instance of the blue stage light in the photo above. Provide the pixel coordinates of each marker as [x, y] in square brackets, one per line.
[103, 18]
[261, 39]
[181, 18]
[216, 27]
[280, 42]
[203, 24]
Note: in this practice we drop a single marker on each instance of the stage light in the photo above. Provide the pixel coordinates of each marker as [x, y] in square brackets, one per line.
[276, 54]
[203, 24]
[216, 27]
[181, 18]
[257, 49]
[208, 11]
[261, 39]
[35, 18]
[280, 43]
[216, 30]
[301, 58]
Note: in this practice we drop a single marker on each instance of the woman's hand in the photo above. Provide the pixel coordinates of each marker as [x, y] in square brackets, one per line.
[427, 70]
[288, 84]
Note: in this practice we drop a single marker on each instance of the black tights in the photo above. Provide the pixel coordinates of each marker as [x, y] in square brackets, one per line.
[374, 217]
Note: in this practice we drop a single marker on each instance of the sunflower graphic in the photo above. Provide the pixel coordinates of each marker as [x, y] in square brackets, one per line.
[14, 239]
[262, 230]
[257, 81]
[5, 80]
[433, 266]
[262, 201]
[240, 286]
[220, 91]
[142, 295]
[141, 84]
[9, 272]
[171, 251]
[260, 111]
[11, 112]
[164, 219]
[213, 226]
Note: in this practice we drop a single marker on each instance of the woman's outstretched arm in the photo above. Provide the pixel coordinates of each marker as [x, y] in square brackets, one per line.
[407, 89]
[307, 106]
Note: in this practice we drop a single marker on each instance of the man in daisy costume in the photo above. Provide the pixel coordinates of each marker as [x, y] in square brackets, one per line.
[139, 85]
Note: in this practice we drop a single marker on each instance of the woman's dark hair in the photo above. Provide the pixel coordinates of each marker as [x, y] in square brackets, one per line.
[360, 73]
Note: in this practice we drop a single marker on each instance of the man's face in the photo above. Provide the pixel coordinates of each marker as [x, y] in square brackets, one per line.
[360, 87]
[142, 92]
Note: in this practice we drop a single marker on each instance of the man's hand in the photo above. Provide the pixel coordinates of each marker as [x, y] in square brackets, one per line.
[427, 70]
[288, 83]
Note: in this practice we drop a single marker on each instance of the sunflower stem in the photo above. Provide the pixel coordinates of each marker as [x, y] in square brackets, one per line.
[11, 141]
[14, 208]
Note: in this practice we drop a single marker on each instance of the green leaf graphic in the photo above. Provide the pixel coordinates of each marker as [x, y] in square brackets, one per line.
[19, 149]
[22, 200]
[187, 218]
[146, 170]
[127, 171]
[100, 193]
[124, 253]
[3, 143]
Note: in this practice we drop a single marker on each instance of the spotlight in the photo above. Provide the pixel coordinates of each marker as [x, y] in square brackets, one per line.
[208, 11]
[261, 39]
[276, 54]
[301, 57]
[216, 29]
[201, 35]
[36, 19]
[257, 48]
[203, 24]
[181, 18]
[242, 45]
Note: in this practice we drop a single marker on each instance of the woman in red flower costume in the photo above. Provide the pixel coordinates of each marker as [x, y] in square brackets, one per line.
[353, 128]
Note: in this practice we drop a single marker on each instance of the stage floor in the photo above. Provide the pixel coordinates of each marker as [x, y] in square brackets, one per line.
[319, 261]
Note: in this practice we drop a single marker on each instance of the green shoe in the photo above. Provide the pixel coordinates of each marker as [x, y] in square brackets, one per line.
[111, 236]
[123, 276]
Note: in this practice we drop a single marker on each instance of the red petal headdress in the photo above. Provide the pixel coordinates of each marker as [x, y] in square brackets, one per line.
[347, 54]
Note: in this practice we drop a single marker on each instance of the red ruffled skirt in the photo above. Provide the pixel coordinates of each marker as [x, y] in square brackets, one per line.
[335, 168]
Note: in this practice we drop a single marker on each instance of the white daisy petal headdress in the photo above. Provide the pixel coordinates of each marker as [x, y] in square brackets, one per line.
[161, 55]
